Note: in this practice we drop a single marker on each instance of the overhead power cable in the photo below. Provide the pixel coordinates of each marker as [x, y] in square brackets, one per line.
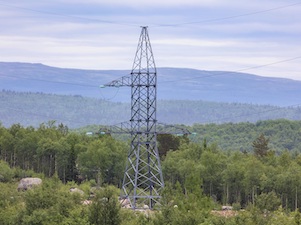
[70, 16]
[48, 117]
[155, 25]
[228, 17]
[50, 81]
[167, 81]
[252, 114]
[235, 71]
[81, 122]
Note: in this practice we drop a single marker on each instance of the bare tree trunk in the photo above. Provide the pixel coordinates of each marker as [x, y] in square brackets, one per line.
[227, 199]
[14, 159]
[296, 198]
[253, 195]
[98, 178]
[50, 164]
[286, 203]
[55, 165]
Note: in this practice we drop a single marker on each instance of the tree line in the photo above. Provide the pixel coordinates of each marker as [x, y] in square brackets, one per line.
[51, 149]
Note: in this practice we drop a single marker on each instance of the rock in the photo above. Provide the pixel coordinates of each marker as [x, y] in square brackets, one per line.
[227, 207]
[145, 207]
[87, 202]
[27, 183]
[125, 203]
[76, 190]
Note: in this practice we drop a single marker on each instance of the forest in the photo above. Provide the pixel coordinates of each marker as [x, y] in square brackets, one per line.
[261, 182]
[75, 111]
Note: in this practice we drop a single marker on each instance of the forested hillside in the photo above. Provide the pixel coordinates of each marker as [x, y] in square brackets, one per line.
[32, 109]
[199, 177]
[282, 134]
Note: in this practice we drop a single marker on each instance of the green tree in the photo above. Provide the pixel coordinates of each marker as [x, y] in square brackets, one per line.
[6, 145]
[105, 208]
[10, 203]
[104, 157]
[254, 169]
[260, 146]
[52, 204]
[233, 177]
[63, 158]
[213, 164]
[47, 151]
[268, 201]
[180, 206]
[6, 173]
[167, 142]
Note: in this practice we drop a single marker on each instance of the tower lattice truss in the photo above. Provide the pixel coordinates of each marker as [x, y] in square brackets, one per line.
[143, 179]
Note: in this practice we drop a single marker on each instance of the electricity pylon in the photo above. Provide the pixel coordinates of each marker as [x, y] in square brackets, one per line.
[143, 179]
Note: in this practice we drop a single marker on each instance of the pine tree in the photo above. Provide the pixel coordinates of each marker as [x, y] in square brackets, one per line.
[260, 146]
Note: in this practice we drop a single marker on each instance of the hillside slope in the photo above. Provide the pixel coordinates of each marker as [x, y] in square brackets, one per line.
[32, 109]
[173, 84]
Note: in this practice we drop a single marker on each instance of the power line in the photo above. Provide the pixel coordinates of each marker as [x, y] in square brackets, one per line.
[70, 16]
[212, 75]
[81, 123]
[167, 81]
[235, 71]
[252, 114]
[227, 17]
[179, 24]
[50, 81]
[155, 25]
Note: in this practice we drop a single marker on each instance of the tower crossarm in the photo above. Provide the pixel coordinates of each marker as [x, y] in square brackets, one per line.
[121, 82]
[163, 128]
[121, 128]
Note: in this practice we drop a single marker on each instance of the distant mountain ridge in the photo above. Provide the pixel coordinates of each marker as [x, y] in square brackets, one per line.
[173, 84]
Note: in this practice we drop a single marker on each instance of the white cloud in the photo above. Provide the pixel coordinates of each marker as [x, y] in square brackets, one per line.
[88, 43]
[145, 3]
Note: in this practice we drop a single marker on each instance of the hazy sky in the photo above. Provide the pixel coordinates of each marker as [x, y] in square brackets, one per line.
[230, 35]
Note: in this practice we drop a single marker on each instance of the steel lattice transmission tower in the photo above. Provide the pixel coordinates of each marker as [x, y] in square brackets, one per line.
[143, 179]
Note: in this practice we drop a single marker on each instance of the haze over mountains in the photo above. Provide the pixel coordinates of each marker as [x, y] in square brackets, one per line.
[34, 93]
[173, 84]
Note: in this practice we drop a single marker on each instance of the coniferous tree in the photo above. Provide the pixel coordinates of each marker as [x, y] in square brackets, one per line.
[260, 146]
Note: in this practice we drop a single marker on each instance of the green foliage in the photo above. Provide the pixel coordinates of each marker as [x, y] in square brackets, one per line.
[6, 173]
[9, 203]
[51, 150]
[105, 158]
[236, 177]
[260, 146]
[182, 206]
[105, 208]
[167, 142]
[50, 204]
[199, 176]
[282, 134]
[267, 201]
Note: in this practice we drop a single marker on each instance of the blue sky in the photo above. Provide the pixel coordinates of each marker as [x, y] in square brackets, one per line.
[201, 34]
